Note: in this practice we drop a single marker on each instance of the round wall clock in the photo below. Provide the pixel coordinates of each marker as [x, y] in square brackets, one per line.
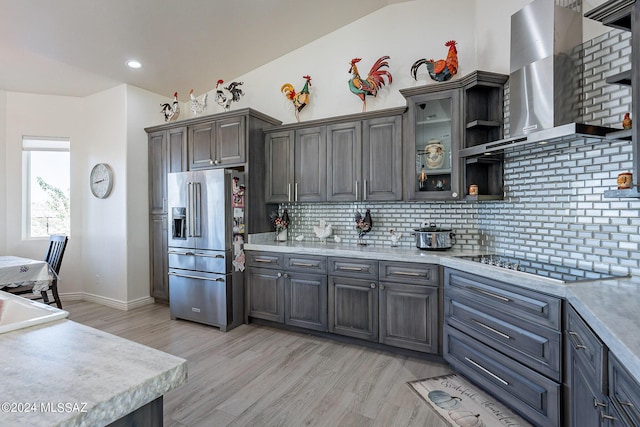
[101, 180]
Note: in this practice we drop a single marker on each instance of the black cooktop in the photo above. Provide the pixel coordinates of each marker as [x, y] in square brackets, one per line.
[553, 271]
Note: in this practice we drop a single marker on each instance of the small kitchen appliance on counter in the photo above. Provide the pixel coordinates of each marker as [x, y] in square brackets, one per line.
[205, 222]
[434, 238]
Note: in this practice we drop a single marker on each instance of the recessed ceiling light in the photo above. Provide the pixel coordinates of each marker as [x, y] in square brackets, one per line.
[134, 64]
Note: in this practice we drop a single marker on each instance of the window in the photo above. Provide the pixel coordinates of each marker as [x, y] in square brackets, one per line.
[46, 183]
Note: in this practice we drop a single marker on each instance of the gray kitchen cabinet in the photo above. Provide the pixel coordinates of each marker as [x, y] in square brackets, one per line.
[353, 307]
[296, 165]
[167, 153]
[624, 395]
[218, 143]
[507, 339]
[586, 404]
[442, 121]
[290, 289]
[365, 160]
[409, 314]
[306, 300]
[349, 158]
[265, 294]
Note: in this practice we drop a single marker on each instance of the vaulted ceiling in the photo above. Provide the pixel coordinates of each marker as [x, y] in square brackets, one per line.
[79, 47]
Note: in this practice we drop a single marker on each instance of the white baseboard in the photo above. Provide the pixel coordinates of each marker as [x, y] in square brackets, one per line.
[109, 302]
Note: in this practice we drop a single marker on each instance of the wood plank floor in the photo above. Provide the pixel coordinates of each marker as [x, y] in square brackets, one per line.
[260, 376]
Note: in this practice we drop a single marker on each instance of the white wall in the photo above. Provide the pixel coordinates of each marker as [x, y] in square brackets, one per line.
[3, 176]
[42, 115]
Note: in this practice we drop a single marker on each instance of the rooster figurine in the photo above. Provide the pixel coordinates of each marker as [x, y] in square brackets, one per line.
[226, 95]
[197, 106]
[373, 82]
[299, 99]
[626, 122]
[441, 70]
[171, 111]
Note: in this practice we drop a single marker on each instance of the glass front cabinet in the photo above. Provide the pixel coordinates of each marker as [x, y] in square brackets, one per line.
[432, 164]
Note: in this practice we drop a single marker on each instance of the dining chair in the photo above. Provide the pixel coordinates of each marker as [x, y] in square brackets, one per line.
[55, 252]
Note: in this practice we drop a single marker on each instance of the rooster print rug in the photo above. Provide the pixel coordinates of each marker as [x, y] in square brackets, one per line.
[462, 404]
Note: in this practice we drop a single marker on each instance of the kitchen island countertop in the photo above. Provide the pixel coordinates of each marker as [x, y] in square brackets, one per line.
[67, 374]
[610, 307]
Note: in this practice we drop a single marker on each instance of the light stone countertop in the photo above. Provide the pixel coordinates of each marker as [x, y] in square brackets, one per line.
[98, 376]
[610, 307]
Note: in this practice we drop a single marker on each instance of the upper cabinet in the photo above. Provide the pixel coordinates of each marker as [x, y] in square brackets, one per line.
[442, 120]
[217, 143]
[349, 158]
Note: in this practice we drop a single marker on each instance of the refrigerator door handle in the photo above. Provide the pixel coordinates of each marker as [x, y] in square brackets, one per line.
[189, 209]
[207, 255]
[197, 220]
[190, 276]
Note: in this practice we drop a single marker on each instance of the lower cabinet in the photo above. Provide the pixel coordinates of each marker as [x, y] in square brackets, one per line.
[507, 340]
[624, 395]
[393, 303]
[353, 307]
[159, 246]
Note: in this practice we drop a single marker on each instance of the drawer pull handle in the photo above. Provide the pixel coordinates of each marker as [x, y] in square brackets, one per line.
[489, 328]
[190, 276]
[629, 404]
[485, 370]
[406, 273]
[596, 403]
[351, 268]
[491, 294]
[302, 264]
[606, 417]
[264, 260]
[577, 346]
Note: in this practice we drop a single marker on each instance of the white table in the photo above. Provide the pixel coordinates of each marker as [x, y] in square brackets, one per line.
[17, 271]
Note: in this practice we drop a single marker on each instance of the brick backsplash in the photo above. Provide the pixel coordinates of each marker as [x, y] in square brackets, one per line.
[553, 210]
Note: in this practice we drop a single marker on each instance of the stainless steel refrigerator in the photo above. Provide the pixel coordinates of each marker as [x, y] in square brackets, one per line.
[206, 216]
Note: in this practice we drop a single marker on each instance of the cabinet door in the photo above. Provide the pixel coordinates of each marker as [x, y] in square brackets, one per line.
[310, 165]
[202, 146]
[158, 253]
[157, 172]
[177, 150]
[265, 294]
[409, 316]
[353, 308]
[230, 141]
[433, 168]
[306, 300]
[382, 159]
[585, 405]
[624, 393]
[344, 165]
[279, 166]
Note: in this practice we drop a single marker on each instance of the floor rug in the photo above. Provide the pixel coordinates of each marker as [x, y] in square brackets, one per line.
[461, 403]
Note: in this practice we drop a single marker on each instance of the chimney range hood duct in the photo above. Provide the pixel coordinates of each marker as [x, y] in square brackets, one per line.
[544, 81]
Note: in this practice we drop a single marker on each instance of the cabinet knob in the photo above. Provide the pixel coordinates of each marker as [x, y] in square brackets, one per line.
[210, 162]
[286, 275]
[454, 194]
[279, 274]
[373, 286]
[382, 287]
[217, 162]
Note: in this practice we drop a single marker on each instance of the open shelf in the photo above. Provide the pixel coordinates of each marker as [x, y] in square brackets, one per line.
[623, 78]
[483, 123]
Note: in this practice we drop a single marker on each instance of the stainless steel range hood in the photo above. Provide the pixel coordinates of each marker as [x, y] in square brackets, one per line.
[544, 82]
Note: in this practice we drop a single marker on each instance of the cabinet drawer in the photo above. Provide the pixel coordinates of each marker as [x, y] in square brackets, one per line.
[535, 346]
[310, 263]
[624, 392]
[534, 396]
[264, 259]
[407, 272]
[509, 302]
[353, 267]
[588, 347]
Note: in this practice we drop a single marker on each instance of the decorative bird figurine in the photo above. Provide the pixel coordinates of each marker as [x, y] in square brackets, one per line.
[441, 70]
[197, 106]
[299, 99]
[226, 95]
[626, 122]
[171, 111]
[323, 230]
[395, 237]
[374, 81]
